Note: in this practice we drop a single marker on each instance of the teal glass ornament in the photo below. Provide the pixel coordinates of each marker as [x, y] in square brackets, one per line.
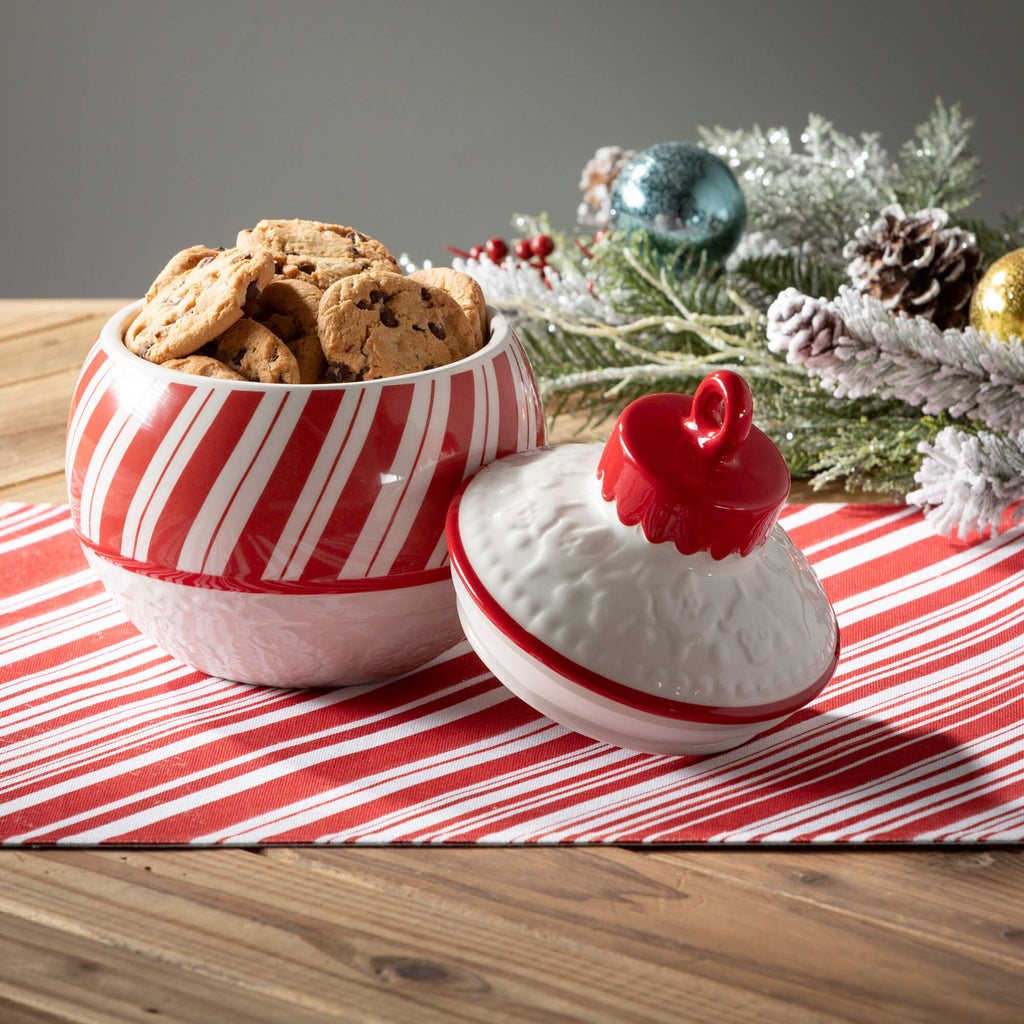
[685, 198]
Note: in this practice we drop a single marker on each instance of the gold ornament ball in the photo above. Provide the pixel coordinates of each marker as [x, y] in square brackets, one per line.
[997, 305]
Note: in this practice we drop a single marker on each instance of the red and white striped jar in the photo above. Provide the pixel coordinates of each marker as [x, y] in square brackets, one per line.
[287, 534]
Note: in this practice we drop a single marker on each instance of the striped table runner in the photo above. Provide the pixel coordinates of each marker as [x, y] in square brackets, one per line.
[104, 739]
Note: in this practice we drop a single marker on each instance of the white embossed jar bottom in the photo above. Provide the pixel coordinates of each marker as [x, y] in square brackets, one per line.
[674, 633]
[289, 640]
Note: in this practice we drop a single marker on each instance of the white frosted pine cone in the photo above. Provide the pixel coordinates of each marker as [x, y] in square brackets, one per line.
[806, 330]
[596, 182]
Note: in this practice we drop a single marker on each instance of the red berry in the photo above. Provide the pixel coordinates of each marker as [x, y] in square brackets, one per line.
[476, 252]
[542, 245]
[496, 249]
[523, 249]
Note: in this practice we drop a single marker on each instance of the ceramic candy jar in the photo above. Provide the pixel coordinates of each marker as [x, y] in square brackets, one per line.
[642, 592]
[287, 534]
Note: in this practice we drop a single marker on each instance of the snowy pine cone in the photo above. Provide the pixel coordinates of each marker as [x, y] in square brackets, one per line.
[916, 265]
[596, 181]
[806, 330]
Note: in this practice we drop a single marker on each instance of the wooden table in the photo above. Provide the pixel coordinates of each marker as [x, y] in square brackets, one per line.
[289, 936]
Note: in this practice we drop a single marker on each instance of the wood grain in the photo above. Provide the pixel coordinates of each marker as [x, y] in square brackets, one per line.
[594, 934]
[292, 935]
[766, 921]
[42, 346]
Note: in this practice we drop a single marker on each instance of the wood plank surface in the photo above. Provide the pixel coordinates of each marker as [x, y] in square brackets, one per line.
[593, 934]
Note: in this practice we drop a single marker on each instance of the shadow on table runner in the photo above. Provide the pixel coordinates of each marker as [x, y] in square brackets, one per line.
[108, 740]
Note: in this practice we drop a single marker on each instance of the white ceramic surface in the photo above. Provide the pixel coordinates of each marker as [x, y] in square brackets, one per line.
[288, 640]
[563, 700]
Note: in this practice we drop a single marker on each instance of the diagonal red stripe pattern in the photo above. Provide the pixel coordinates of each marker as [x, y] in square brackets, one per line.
[107, 740]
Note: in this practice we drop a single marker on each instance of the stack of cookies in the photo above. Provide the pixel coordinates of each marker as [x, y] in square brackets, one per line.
[303, 302]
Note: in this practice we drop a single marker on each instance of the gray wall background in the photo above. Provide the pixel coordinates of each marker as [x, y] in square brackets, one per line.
[133, 128]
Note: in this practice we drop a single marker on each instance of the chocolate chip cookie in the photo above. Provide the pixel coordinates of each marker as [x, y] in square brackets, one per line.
[464, 290]
[202, 366]
[318, 253]
[289, 308]
[181, 263]
[198, 305]
[323, 271]
[257, 354]
[375, 325]
[315, 239]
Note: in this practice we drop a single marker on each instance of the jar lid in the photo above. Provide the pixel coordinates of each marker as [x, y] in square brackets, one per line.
[686, 651]
[696, 471]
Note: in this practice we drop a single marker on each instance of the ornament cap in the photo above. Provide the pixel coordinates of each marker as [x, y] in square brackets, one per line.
[695, 470]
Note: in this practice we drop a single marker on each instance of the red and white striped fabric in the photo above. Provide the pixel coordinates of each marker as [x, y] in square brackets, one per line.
[918, 738]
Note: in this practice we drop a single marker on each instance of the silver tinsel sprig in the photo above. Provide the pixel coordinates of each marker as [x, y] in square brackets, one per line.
[813, 196]
[958, 372]
[969, 483]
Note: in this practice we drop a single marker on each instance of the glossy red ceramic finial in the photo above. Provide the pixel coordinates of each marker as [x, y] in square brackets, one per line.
[696, 471]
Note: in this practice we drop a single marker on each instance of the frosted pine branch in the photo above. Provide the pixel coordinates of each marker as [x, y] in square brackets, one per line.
[509, 286]
[969, 481]
[618, 378]
[813, 195]
[959, 372]
[938, 168]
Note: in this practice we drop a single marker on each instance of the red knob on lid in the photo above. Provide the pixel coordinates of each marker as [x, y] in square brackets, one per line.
[696, 471]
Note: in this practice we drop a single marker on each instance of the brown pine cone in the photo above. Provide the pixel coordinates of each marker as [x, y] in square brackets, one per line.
[916, 265]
